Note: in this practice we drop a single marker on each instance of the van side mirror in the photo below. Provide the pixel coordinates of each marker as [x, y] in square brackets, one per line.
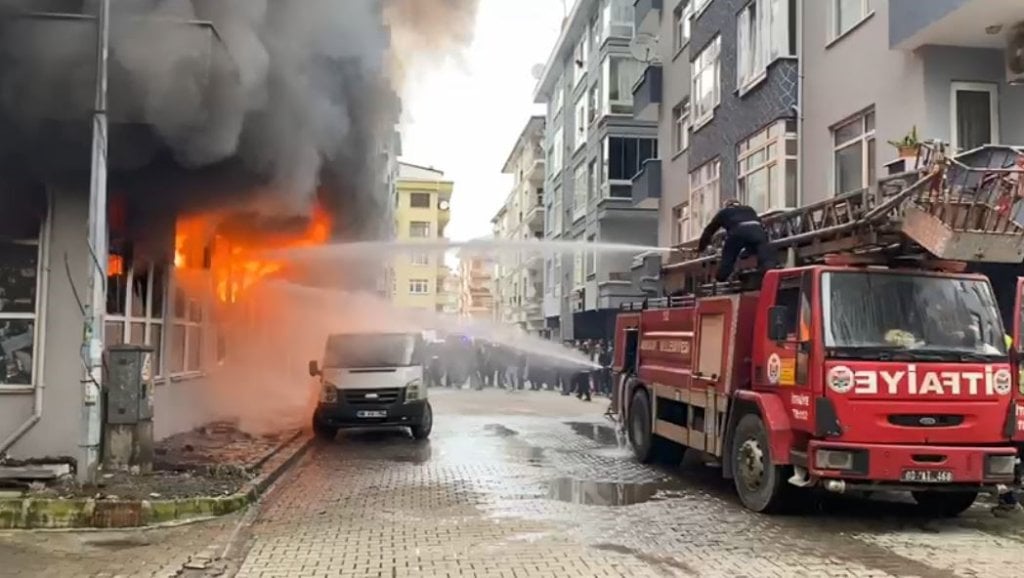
[314, 369]
[777, 323]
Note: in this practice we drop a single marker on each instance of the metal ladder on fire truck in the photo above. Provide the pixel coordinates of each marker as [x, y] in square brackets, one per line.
[963, 208]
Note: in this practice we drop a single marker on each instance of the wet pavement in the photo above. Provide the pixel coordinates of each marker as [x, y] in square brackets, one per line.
[523, 485]
[535, 484]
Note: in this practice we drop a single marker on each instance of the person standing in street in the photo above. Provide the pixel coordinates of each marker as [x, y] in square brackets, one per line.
[604, 359]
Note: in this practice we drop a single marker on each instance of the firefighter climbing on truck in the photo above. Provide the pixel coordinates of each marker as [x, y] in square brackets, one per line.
[874, 362]
[743, 232]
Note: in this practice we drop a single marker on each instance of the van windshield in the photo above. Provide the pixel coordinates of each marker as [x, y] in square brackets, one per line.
[940, 318]
[369, 350]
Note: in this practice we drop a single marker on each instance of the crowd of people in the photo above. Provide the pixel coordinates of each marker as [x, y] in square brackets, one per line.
[485, 364]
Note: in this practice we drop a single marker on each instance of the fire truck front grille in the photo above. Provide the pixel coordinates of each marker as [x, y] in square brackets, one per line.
[926, 420]
[372, 396]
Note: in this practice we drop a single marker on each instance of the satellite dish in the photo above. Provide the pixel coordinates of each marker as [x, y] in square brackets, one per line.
[644, 47]
[537, 71]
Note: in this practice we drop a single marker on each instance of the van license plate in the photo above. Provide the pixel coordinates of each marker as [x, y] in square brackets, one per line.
[372, 413]
[927, 476]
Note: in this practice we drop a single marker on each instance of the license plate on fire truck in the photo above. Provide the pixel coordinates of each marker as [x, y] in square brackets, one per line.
[372, 413]
[927, 476]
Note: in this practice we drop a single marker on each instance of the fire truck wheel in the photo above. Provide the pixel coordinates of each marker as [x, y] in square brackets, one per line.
[640, 431]
[944, 504]
[762, 486]
[324, 431]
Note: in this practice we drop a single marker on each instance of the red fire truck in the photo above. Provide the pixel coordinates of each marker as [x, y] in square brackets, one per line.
[876, 361]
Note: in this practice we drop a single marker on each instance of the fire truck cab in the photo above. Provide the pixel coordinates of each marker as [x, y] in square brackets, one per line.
[851, 371]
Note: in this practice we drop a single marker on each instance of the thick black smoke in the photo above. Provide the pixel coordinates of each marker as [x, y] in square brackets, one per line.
[276, 101]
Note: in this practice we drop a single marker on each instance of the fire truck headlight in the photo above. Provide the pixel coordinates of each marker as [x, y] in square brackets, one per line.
[412, 390]
[1000, 466]
[328, 393]
[833, 460]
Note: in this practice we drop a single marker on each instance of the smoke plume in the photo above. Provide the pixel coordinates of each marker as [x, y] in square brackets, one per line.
[296, 94]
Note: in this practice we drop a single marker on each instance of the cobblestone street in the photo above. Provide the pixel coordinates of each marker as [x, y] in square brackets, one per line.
[527, 484]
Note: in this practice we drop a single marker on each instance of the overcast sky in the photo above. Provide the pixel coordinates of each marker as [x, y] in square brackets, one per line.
[465, 116]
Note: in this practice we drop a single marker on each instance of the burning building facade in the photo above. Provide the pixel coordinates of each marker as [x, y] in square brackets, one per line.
[228, 138]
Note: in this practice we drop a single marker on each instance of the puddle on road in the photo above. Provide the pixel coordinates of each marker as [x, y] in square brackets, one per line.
[590, 493]
[500, 430]
[532, 455]
[599, 433]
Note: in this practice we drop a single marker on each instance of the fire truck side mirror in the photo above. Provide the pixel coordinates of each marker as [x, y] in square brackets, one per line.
[777, 323]
[314, 369]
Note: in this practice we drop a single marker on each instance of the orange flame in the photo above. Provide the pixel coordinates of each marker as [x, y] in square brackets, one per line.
[234, 263]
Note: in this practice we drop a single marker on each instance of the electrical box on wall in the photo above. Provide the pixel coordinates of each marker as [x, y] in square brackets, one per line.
[129, 384]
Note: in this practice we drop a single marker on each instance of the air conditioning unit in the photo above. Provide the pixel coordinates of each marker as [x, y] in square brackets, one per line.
[1015, 55]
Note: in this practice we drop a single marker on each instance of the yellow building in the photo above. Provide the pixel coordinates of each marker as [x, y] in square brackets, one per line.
[422, 212]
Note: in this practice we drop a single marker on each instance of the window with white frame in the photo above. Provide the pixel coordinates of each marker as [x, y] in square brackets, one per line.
[581, 122]
[579, 192]
[22, 216]
[705, 195]
[557, 281]
[853, 158]
[593, 179]
[185, 353]
[762, 35]
[556, 212]
[419, 287]
[699, 6]
[706, 91]
[419, 200]
[680, 223]
[767, 168]
[557, 98]
[593, 102]
[616, 19]
[590, 267]
[135, 306]
[975, 114]
[578, 275]
[682, 17]
[846, 14]
[579, 62]
[557, 151]
[620, 73]
[419, 229]
[419, 259]
[681, 126]
[623, 158]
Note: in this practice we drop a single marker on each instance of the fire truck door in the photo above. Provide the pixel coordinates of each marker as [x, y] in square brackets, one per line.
[786, 361]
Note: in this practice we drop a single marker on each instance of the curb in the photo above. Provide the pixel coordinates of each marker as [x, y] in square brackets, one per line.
[56, 513]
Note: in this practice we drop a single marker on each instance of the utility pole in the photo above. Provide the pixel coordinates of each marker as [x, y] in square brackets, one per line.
[96, 306]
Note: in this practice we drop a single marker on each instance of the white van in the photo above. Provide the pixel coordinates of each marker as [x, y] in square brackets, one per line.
[372, 380]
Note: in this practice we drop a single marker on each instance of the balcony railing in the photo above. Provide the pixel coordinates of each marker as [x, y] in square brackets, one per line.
[648, 15]
[647, 94]
[647, 184]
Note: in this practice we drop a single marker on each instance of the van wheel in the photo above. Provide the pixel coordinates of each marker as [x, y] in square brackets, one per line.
[762, 486]
[944, 504]
[426, 425]
[324, 431]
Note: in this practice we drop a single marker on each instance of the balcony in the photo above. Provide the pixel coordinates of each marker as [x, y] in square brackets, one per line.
[647, 94]
[963, 23]
[647, 14]
[647, 185]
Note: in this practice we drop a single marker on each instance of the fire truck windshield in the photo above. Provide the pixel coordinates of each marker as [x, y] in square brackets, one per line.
[879, 314]
[364, 350]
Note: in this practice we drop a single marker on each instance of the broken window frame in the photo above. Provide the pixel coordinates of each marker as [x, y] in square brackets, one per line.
[36, 317]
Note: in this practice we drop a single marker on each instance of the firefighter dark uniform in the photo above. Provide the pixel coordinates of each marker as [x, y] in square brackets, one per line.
[743, 230]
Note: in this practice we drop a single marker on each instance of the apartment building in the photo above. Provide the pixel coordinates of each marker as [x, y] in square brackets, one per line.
[519, 276]
[594, 148]
[736, 118]
[422, 212]
[476, 295]
[875, 69]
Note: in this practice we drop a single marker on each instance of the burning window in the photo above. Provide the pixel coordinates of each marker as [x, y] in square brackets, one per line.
[21, 218]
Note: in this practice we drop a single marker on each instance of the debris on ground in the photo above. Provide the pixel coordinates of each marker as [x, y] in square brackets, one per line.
[213, 460]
